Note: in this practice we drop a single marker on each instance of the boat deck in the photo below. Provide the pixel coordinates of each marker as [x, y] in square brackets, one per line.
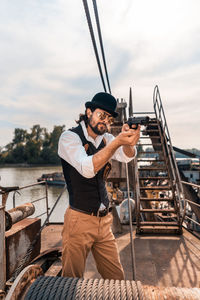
[160, 260]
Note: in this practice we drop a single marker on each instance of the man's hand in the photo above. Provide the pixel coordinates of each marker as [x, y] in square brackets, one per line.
[128, 136]
[131, 139]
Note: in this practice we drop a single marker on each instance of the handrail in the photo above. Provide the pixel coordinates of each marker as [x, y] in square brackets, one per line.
[192, 220]
[36, 200]
[190, 183]
[160, 115]
[194, 203]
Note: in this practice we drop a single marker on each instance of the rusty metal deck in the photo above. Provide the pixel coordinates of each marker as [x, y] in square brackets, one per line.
[160, 260]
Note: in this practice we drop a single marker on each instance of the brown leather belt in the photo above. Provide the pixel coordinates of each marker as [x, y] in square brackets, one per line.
[99, 213]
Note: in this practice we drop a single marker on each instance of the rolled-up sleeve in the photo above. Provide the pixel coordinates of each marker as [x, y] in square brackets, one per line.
[70, 149]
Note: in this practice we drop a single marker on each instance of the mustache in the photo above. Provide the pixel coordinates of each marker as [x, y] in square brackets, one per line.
[100, 123]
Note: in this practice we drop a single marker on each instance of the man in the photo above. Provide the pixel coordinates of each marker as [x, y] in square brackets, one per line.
[85, 151]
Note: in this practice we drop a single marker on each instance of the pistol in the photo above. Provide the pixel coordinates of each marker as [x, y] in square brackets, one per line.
[137, 120]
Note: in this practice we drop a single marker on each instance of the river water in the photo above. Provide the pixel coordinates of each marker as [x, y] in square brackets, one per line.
[22, 176]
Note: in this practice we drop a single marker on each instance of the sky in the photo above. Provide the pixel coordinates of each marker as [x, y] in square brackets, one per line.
[48, 68]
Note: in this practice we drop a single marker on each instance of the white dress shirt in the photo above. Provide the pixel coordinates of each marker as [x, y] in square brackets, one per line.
[71, 149]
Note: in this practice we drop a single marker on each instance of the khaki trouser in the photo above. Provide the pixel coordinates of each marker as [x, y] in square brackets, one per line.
[82, 233]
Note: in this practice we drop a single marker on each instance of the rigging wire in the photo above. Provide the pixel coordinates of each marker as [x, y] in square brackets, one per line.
[85, 4]
[101, 42]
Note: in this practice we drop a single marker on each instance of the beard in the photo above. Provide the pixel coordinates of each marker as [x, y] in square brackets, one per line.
[99, 129]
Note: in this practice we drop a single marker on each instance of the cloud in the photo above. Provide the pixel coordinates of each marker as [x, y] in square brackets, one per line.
[48, 67]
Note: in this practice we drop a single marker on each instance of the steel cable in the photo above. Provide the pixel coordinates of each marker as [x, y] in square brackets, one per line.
[101, 42]
[85, 4]
[100, 289]
[111, 290]
[94, 289]
[38, 293]
[60, 288]
[43, 288]
[89, 289]
[72, 289]
[55, 287]
[134, 290]
[123, 290]
[78, 289]
[37, 282]
[66, 289]
[38, 288]
[83, 289]
[140, 291]
[49, 285]
[106, 289]
[117, 289]
[129, 291]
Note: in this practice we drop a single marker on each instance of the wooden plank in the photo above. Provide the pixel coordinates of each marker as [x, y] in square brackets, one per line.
[55, 269]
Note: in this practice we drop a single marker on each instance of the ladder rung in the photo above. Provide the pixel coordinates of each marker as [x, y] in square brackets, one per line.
[149, 130]
[157, 199]
[151, 168]
[154, 124]
[147, 223]
[154, 178]
[149, 137]
[150, 152]
[152, 144]
[160, 187]
[148, 210]
[149, 160]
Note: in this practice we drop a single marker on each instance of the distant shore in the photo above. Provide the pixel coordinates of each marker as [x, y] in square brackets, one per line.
[24, 165]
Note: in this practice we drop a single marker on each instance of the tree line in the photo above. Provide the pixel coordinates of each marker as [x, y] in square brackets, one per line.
[35, 147]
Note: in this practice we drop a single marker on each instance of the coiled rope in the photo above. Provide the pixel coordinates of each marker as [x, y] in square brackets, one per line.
[63, 288]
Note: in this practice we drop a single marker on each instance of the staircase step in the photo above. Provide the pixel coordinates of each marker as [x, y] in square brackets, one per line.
[157, 199]
[169, 230]
[149, 137]
[147, 223]
[154, 178]
[149, 160]
[150, 152]
[151, 168]
[157, 187]
[152, 144]
[149, 130]
[149, 210]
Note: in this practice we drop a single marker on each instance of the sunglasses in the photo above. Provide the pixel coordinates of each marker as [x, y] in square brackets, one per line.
[103, 115]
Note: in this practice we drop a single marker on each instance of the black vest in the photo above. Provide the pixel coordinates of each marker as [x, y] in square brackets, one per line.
[85, 193]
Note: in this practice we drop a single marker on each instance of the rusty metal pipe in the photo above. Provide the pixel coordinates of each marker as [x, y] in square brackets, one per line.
[18, 213]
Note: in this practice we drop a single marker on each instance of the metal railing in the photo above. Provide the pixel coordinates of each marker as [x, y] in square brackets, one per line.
[36, 200]
[192, 202]
[160, 115]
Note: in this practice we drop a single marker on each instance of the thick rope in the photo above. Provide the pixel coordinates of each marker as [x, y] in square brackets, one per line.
[111, 290]
[63, 288]
[48, 288]
[60, 288]
[117, 290]
[89, 289]
[66, 289]
[72, 289]
[100, 289]
[54, 289]
[106, 289]
[140, 291]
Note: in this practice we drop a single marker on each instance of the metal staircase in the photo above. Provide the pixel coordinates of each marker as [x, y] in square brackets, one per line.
[160, 204]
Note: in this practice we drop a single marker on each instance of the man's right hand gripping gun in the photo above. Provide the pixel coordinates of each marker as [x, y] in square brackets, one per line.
[137, 121]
